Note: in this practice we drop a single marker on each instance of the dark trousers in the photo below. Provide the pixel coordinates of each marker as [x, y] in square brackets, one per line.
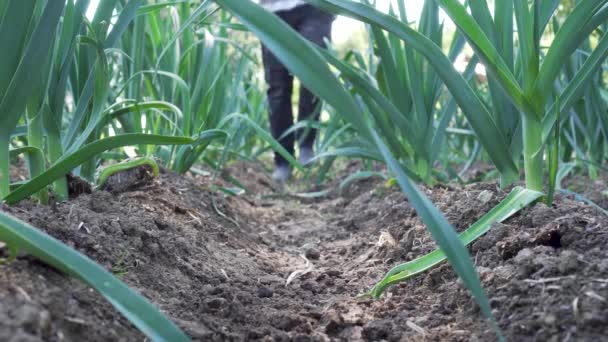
[314, 25]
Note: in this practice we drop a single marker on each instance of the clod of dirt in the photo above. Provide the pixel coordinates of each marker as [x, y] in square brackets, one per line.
[485, 196]
[265, 292]
[129, 180]
[78, 186]
[333, 322]
[568, 262]
[312, 253]
[215, 303]
[545, 270]
[498, 232]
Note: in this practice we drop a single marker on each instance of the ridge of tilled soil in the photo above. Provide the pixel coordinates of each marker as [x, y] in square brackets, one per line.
[219, 266]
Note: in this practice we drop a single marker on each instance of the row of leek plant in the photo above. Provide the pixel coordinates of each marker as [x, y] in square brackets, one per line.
[525, 106]
[175, 58]
[521, 120]
[403, 94]
[310, 66]
[385, 88]
[191, 57]
[579, 81]
[157, 75]
[585, 128]
[75, 55]
[516, 77]
[526, 86]
[60, 104]
[523, 112]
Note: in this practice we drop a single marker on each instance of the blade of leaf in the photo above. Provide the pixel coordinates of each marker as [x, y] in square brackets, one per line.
[444, 235]
[570, 36]
[486, 51]
[513, 203]
[575, 89]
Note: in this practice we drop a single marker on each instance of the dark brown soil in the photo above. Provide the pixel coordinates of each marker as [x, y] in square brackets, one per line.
[593, 190]
[277, 268]
[18, 171]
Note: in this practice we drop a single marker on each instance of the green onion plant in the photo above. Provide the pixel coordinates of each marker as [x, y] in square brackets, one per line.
[403, 94]
[527, 84]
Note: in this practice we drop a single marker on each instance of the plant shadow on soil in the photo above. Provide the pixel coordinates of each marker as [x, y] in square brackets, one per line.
[262, 267]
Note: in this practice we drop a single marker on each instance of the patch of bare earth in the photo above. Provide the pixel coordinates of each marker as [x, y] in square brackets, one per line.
[277, 268]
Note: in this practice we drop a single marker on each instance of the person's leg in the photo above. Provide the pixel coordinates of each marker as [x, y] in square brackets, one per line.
[316, 27]
[280, 87]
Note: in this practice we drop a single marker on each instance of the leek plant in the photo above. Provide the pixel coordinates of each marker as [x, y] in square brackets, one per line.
[532, 91]
[526, 111]
[584, 131]
[52, 54]
[403, 94]
[70, 103]
[165, 53]
[185, 56]
[27, 31]
[92, 78]
[528, 85]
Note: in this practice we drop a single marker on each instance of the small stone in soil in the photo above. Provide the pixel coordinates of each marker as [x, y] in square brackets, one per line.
[568, 262]
[485, 196]
[216, 303]
[603, 266]
[264, 292]
[333, 273]
[302, 338]
[286, 323]
[313, 253]
[550, 319]
[333, 323]
[161, 224]
[310, 285]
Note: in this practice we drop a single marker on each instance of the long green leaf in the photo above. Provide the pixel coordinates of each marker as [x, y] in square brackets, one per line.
[367, 90]
[444, 235]
[17, 94]
[553, 160]
[575, 89]
[13, 32]
[529, 45]
[359, 176]
[486, 51]
[94, 80]
[513, 203]
[349, 152]
[265, 136]
[568, 38]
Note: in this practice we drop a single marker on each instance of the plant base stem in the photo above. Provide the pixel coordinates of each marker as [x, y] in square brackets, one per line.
[4, 165]
[533, 152]
[55, 152]
[37, 166]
